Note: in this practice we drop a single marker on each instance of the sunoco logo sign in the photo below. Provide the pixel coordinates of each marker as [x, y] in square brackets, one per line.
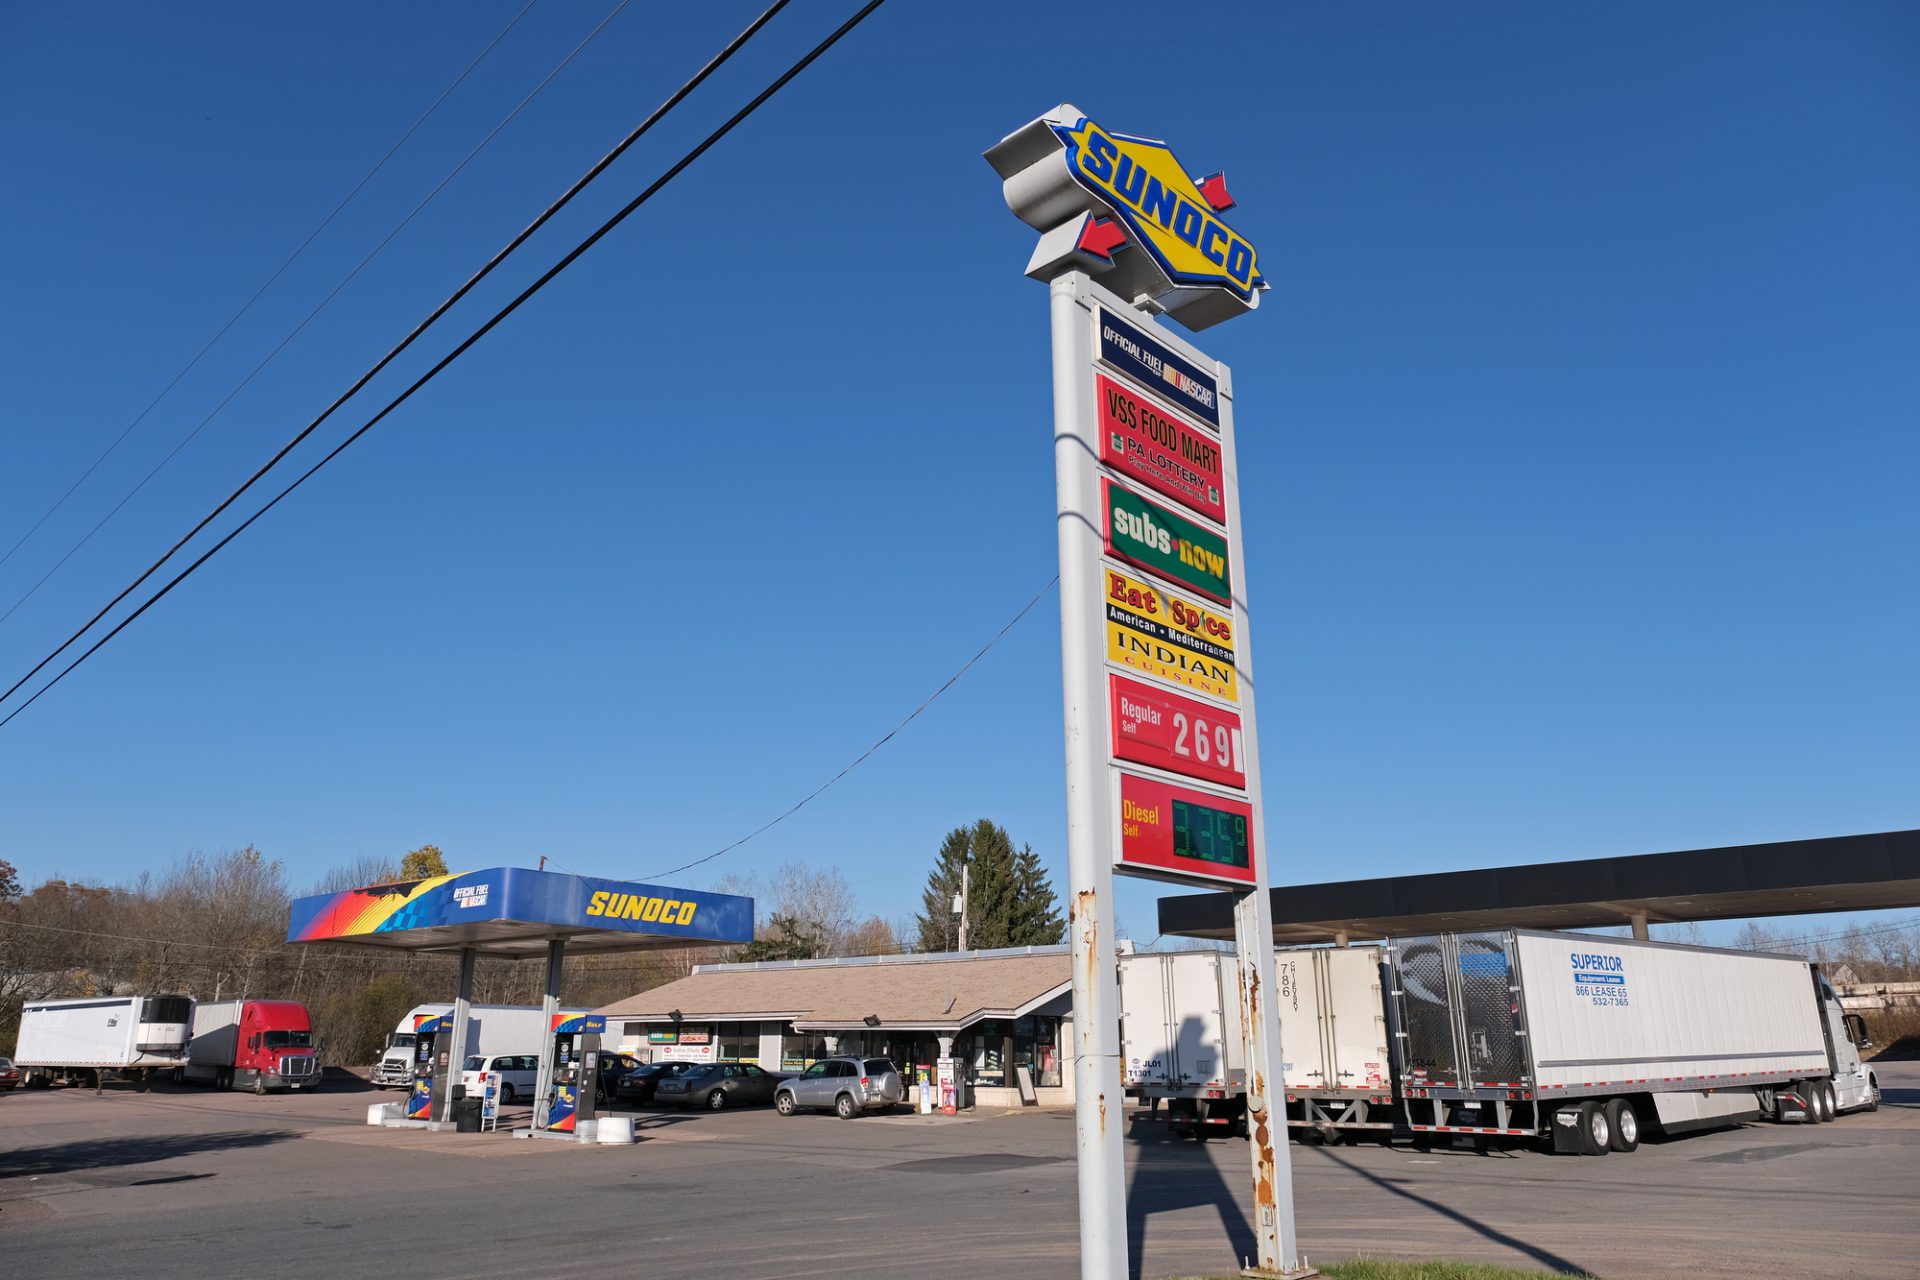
[1162, 206]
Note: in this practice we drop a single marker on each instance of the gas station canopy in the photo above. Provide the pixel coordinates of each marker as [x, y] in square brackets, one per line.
[514, 912]
[1879, 871]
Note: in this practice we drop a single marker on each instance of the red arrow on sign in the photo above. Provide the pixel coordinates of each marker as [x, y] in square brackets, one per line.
[1214, 191]
[1100, 237]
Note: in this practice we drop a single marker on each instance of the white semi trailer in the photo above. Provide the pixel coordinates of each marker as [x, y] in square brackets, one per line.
[1589, 1041]
[89, 1039]
[1578, 1041]
[491, 1029]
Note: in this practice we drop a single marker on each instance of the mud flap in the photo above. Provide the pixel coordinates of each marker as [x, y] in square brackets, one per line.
[1566, 1132]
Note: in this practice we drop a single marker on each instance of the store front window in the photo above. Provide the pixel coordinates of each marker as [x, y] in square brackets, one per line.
[801, 1049]
[738, 1041]
[988, 1061]
[1036, 1046]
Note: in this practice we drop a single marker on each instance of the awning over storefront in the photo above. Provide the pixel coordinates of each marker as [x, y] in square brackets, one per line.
[934, 993]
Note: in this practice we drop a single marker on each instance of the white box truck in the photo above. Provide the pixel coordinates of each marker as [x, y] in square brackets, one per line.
[491, 1029]
[1181, 1042]
[86, 1040]
[1589, 1041]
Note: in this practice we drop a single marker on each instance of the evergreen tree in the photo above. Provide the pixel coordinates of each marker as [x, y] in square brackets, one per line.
[785, 939]
[1009, 902]
[1036, 915]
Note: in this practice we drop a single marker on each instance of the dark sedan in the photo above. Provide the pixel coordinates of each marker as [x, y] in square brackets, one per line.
[640, 1083]
[718, 1086]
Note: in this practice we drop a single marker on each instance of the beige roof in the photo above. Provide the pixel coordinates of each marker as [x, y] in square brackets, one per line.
[930, 992]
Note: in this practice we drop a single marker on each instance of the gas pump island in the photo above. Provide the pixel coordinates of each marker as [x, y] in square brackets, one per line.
[517, 913]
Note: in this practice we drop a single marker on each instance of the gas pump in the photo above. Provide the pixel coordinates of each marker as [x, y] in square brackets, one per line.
[431, 1034]
[576, 1070]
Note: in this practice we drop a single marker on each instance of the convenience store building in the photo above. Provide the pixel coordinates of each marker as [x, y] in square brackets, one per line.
[1006, 1015]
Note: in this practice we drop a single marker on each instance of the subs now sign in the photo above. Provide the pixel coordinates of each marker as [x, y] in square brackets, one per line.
[1163, 542]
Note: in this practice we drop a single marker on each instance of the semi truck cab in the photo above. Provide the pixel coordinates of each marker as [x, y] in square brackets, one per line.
[1854, 1084]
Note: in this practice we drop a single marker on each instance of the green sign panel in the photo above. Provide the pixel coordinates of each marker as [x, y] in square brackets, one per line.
[670, 1036]
[1161, 542]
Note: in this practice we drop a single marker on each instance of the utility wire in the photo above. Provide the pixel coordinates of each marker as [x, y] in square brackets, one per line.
[268, 284]
[862, 757]
[579, 184]
[322, 305]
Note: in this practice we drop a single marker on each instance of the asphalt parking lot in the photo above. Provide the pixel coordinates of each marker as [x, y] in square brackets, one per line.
[184, 1182]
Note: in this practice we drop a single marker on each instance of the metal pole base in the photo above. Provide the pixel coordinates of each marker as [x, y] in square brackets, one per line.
[1255, 1273]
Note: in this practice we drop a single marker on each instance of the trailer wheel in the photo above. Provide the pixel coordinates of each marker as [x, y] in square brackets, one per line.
[38, 1080]
[1596, 1135]
[1625, 1125]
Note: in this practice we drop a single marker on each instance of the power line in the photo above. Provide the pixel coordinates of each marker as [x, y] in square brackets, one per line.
[862, 757]
[500, 256]
[277, 273]
[322, 305]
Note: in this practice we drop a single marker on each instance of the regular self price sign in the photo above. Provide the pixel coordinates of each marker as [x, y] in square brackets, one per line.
[1182, 735]
[1178, 833]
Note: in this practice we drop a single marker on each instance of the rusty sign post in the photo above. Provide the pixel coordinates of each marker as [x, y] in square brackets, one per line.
[1158, 695]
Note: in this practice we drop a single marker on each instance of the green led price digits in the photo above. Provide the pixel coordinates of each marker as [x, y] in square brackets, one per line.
[1209, 835]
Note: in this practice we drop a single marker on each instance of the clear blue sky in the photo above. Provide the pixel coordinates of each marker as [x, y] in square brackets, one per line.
[1578, 431]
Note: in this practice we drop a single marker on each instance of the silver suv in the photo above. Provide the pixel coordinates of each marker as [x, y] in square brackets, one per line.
[847, 1086]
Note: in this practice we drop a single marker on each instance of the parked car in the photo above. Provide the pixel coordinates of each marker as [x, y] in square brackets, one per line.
[718, 1085]
[847, 1086]
[515, 1074]
[9, 1074]
[614, 1068]
[639, 1083]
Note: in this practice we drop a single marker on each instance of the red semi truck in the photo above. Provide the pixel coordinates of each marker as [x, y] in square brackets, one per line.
[257, 1044]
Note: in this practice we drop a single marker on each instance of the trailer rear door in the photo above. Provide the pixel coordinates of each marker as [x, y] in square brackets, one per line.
[1461, 1024]
[1356, 1021]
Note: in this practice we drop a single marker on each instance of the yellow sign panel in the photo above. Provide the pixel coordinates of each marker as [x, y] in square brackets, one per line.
[1162, 206]
[1169, 637]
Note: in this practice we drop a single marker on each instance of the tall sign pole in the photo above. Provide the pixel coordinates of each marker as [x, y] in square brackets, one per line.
[1162, 751]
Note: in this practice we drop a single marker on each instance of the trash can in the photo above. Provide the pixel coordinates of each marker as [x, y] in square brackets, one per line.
[466, 1115]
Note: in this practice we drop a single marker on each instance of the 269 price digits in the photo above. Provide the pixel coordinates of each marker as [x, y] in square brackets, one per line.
[1209, 744]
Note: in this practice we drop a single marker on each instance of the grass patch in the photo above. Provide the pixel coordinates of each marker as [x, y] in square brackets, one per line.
[1381, 1269]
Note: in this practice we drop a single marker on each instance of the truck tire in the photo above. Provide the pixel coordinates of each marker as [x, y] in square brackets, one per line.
[1873, 1092]
[1829, 1102]
[1595, 1134]
[37, 1080]
[1810, 1090]
[1625, 1126]
[259, 1085]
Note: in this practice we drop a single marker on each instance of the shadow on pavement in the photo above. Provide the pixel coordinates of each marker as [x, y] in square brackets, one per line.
[1175, 1173]
[1900, 1097]
[1545, 1257]
[115, 1152]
